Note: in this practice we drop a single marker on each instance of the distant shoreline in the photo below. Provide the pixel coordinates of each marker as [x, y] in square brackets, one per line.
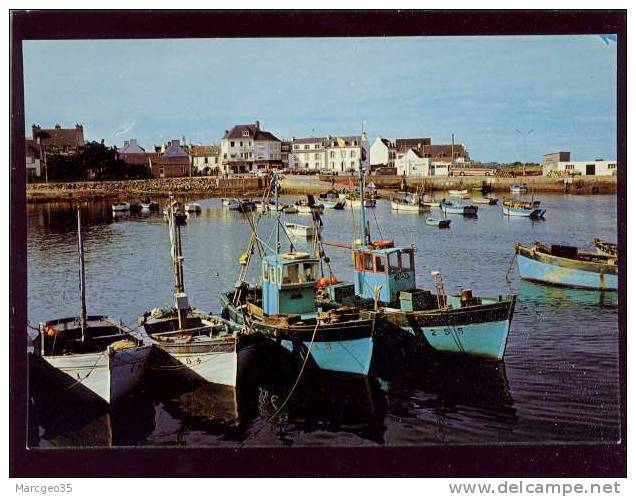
[299, 185]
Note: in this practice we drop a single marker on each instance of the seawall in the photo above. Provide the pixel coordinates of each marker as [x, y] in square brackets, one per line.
[136, 189]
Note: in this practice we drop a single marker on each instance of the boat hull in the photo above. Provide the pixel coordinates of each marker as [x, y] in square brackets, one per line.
[397, 206]
[220, 363]
[343, 356]
[478, 331]
[108, 375]
[467, 210]
[557, 271]
[518, 212]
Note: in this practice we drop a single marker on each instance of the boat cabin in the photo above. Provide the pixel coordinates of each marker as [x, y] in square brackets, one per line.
[288, 282]
[384, 268]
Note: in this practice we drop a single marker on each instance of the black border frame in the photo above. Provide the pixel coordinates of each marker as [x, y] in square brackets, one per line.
[539, 460]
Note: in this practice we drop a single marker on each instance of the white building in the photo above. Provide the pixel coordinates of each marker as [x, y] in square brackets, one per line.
[33, 152]
[411, 162]
[559, 164]
[335, 154]
[382, 153]
[248, 148]
[205, 158]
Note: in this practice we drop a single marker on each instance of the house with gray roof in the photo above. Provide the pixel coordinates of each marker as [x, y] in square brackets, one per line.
[248, 148]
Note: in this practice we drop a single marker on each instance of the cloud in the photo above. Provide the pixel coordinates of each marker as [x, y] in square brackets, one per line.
[125, 127]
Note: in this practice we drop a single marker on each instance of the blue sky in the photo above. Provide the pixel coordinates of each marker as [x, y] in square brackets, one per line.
[480, 88]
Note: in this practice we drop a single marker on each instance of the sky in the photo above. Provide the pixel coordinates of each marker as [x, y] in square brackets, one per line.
[506, 98]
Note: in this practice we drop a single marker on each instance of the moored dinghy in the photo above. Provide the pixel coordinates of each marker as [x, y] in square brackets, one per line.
[519, 208]
[90, 354]
[458, 208]
[565, 266]
[302, 230]
[438, 223]
[410, 203]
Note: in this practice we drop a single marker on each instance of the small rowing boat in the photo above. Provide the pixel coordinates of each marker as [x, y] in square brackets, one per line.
[520, 208]
[605, 248]
[458, 208]
[485, 200]
[438, 223]
[519, 188]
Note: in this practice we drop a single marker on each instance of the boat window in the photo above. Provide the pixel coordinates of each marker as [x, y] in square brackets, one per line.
[272, 274]
[309, 271]
[406, 260]
[265, 272]
[380, 265]
[290, 274]
[368, 262]
[280, 275]
[393, 261]
[359, 261]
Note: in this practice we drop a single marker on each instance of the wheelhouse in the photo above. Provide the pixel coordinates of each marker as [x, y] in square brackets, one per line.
[289, 283]
[383, 270]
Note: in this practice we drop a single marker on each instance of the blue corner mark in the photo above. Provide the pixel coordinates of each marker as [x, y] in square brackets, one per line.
[607, 39]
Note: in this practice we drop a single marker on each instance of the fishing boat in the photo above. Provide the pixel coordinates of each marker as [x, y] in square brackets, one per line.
[458, 193]
[519, 208]
[309, 206]
[519, 188]
[290, 209]
[562, 265]
[438, 223]
[89, 354]
[148, 205]
[483, 188]
[175, 209]
[331, 200]
[410, 203]
[121, 207]
[449, 207]
[284, 309]
[205, 346]
[302, 230]
[384, 277]
[431, 203]
[605, 248]
[193, 207]
[485, 200]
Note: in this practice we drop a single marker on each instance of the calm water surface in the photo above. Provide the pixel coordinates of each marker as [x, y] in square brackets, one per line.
[559, 381]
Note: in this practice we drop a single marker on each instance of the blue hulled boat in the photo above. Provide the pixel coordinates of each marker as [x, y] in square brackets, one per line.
[284, 309]
[458, 208]
[565, 266]
[384, 278]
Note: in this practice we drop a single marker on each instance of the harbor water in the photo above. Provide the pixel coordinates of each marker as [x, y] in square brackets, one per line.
[559, 381]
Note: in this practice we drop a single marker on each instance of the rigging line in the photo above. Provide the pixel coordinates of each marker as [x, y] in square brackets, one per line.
[293, 388]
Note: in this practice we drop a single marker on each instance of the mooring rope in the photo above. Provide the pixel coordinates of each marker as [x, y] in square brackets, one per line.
[293, 388]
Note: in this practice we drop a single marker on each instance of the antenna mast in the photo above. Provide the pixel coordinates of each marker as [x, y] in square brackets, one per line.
[80, 248]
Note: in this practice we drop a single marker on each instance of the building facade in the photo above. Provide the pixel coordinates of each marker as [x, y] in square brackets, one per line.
[205, 159]
[33, 159]
[331, 154]
[411, 162]
[248, 148]
[132, 154]
[562, 168]
[58, 140]
[173, 162]
[382, 153]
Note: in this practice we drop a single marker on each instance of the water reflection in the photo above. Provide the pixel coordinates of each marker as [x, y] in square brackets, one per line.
[550, 296]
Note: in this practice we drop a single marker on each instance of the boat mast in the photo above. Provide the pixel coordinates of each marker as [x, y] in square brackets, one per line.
[275, 179]
[177, 265]
[364, 229]
[80, 249]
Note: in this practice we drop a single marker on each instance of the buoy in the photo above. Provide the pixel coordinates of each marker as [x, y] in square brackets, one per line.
[243, 258]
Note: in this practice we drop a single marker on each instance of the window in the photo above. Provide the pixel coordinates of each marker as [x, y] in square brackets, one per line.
[611, 166]
[231, 144]
[316, 146]
[205, 160]
[316, 156]
[569, 167]
[353, 153]
[272, 274]
[290, 275]
[309, 272]
[332, 154]
[380, 266]
[240, 144]
[306, 164]
[394, 265]
[296, 147]
[246, 133]
[406, 260]
[353, 163]
[265, 272]
[306, 147]
[368, 262]
[317, 165]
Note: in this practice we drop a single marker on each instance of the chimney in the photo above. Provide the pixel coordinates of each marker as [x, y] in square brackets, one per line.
[133, 141]
[125, 143]
[57, 126]
[175, 143]
[258, 125]
[34, 130]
